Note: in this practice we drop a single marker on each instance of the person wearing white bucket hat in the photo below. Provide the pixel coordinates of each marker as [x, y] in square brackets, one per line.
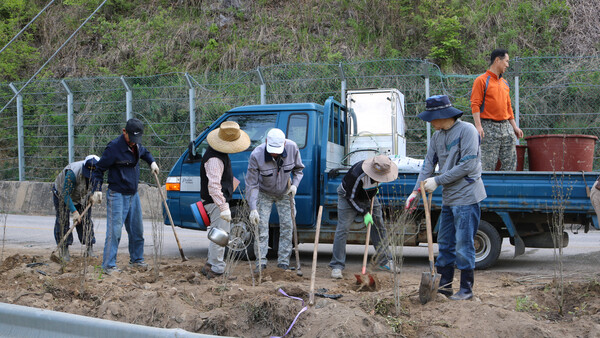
[455, 147]
[274, 173]
[71, 193]
[359, 186]
[217, 186]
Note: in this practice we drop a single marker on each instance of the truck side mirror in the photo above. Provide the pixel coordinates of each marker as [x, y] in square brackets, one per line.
[192, 152]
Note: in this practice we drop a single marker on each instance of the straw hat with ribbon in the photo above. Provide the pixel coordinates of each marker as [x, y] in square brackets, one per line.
[228, 138]
[380, 168]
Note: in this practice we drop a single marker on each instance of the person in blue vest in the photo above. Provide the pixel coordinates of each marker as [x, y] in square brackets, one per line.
[121, 159]
[217, 186]
[455, 148]
[71, 193]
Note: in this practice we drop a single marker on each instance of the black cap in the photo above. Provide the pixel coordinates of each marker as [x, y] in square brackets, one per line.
[135, 129]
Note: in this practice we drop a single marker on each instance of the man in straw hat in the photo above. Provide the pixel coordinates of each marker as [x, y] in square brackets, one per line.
[359, 186]
[217, 186]
[121, 159]
[271, 167]
[71, 193]
[455, 147]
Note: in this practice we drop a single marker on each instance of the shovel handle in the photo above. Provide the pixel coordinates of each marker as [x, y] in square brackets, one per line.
[427, 206]
[183, 258]
[77, 221]
[313, 272]
[366, 254]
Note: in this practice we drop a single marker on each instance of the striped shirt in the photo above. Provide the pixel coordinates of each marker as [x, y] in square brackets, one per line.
[214, 171]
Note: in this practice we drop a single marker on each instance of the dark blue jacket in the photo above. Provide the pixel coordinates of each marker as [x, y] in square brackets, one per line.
[122, 166]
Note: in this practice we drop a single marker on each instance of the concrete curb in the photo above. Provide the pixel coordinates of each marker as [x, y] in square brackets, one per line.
[23, 321]
[35, 198]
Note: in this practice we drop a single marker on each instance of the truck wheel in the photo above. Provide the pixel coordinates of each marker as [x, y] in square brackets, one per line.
[488, 244]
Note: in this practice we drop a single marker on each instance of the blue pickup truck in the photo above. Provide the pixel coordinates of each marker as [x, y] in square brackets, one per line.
[332, 136]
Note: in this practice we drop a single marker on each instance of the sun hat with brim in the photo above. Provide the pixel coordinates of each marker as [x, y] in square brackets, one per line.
[228, 138]
[89, 165]
[380, 168]
[439, 107]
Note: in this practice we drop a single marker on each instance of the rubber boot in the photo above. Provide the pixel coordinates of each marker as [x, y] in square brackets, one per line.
[466, 286]
[63, 253]
[446, 276]
[89, 252]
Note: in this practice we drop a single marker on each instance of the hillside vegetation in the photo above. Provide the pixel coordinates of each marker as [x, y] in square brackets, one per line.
[143, 37]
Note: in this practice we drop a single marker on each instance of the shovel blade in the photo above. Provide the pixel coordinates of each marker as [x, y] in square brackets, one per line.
[428, 287]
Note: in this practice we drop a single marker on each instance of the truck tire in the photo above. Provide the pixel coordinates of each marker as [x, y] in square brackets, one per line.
[488, 244]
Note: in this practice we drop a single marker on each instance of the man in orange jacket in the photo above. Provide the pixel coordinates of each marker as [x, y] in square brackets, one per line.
[493, 115]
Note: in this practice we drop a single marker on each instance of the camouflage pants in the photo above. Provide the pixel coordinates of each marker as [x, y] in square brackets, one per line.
[498, 144]
[265, 204]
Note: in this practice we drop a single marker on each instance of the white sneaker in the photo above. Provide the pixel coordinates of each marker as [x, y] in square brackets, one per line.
[390, 266]
[337, 274]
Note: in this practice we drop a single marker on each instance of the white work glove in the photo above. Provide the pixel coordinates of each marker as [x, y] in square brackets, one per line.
[154, 168]
[75, 216]
[410, 201]
[292, 190]
[226, 215]
[96, 197]
[430, 184]
[254, 218]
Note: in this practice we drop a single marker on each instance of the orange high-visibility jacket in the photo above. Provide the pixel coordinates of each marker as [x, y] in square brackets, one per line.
[490, 96]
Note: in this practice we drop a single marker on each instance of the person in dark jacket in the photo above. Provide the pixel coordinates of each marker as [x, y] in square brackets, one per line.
[359, 186]
[120, 158]
[71, 194]
[217, 186]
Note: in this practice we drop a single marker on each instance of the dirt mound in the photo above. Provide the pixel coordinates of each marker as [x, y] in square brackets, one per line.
[173, 294]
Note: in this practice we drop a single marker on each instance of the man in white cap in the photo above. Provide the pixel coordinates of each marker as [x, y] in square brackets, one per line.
[455, 147]
[217, 186]
[71, 193]
[359, 186]
[271, 167]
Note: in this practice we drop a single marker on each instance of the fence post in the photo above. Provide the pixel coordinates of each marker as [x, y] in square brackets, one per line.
[20, 135]
[263, 87]
[426, 75]
[128, 99]
[517, 69]
[70, 127]
[344, 84]
[192, 94]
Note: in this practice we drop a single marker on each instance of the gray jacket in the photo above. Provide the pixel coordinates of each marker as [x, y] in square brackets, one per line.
[271, 176]
[459, 157]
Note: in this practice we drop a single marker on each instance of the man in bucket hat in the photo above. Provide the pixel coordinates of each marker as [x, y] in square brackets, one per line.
[121, 159]
[274, 173]
[359, 186]
[455, 147]
[71, 192]
[217, 186]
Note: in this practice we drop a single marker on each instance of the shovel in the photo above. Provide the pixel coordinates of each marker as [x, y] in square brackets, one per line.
[57, 259]
[430, 281]
[183, 258]
[363, 279]
[292, 207]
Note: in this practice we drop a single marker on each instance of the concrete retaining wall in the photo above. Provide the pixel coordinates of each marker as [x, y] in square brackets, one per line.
[35, 198]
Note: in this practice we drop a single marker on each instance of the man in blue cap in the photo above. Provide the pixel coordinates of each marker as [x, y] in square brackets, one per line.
[121, 158]
[455, 146]
[71, 192]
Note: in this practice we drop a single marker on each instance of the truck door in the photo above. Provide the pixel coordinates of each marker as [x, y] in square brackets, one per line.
[333, 141]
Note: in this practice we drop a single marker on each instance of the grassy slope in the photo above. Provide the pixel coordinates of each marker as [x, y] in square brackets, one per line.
[135, 37]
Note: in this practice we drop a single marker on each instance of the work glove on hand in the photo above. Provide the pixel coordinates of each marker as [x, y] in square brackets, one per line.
[75, 216]
[96, 197]
[226, 215]
[410, 201]
[154, 168]
[430, 184]
[292, 190]
[368, 218]
[254, 218]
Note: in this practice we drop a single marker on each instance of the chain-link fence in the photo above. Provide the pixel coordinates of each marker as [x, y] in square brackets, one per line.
[552, 95]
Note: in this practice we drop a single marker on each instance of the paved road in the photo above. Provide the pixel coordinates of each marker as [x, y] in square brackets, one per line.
[19, 231]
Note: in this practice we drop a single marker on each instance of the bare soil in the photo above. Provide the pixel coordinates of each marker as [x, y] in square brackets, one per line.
[174, 294]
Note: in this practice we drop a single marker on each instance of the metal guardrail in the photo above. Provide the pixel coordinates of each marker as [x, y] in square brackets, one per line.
[23, 321]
